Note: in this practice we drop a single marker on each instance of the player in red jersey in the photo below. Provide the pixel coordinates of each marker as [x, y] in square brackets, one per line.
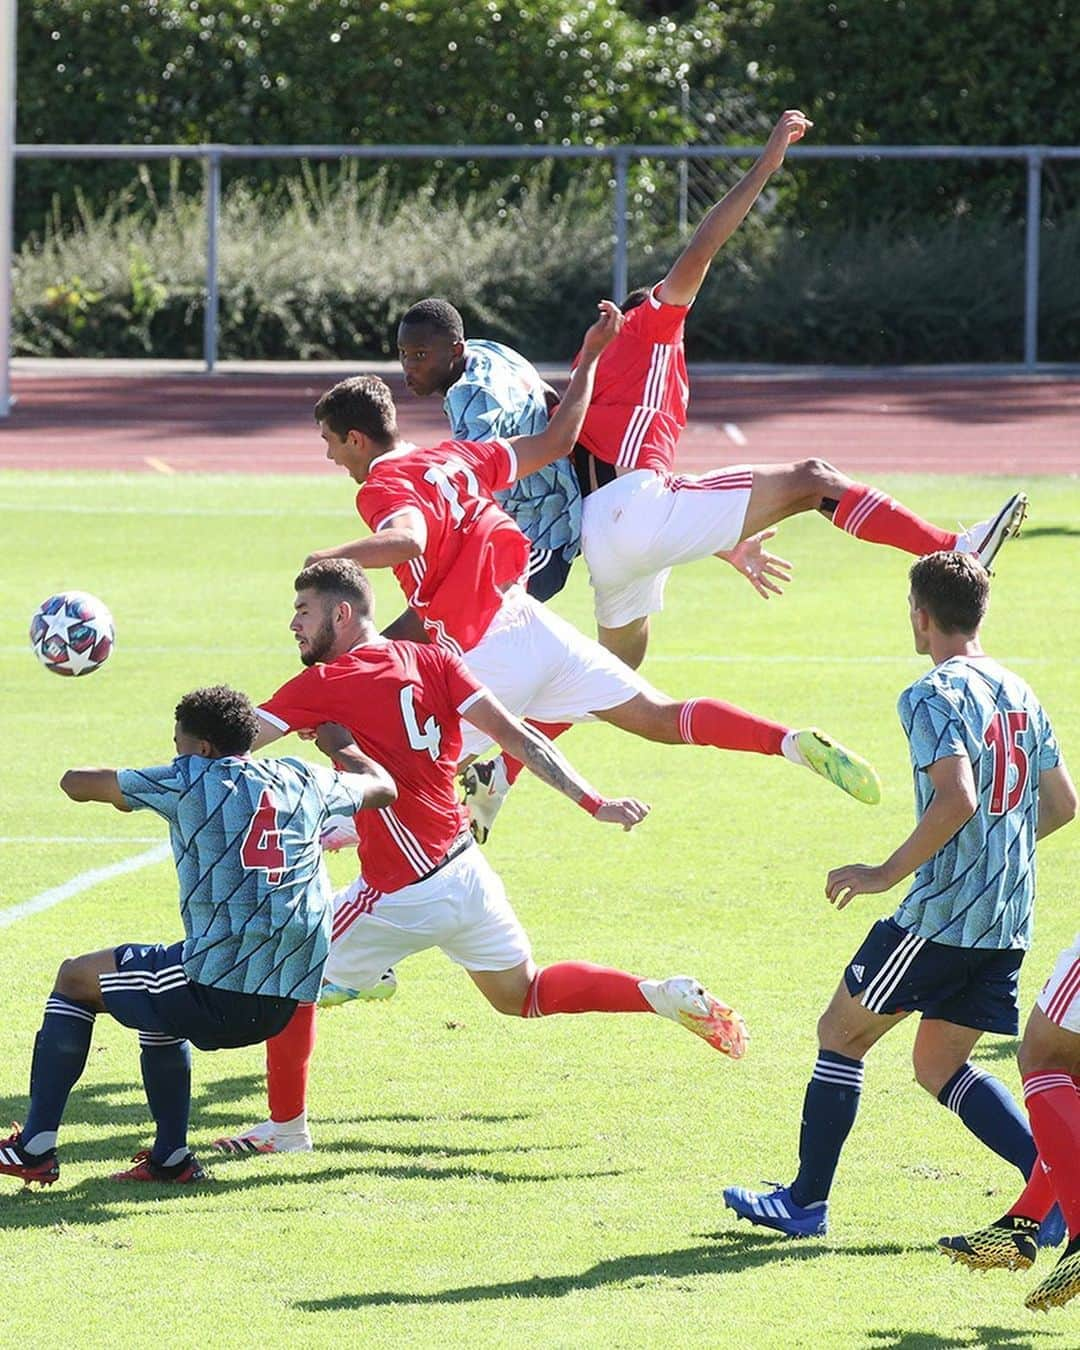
[639, 519]
[459, 559]
[424, 883]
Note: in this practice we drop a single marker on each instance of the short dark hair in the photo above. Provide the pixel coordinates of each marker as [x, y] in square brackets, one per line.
[363, 403]
[342, 579]
[636, 298]
[220, 715]
[953, 588]
[438, 315]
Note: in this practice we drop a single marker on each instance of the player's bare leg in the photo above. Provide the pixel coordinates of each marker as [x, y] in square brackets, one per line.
[783, 490]
[578, 987]
[705, 721]
[629, 643]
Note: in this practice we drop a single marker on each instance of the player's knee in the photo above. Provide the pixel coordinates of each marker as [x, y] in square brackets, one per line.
[931, 1073]
[72, 978]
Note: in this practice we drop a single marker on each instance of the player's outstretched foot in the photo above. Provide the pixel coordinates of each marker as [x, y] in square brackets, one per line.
[691, 1005]
[1062, 1284]
[333, 995]
[486, 786]
[776, 1209]
[186, 1172]
[338, 832]
[16, 1161]
[1008, 1244]
[265, 1137]
[986, 538]
[849, 771]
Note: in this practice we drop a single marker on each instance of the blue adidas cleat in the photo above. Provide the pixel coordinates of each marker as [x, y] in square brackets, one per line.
[776, 1209]
[1052, 1229]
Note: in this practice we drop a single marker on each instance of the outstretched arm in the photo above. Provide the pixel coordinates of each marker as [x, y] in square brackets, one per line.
[94, 785]
[398, 540]
[683, 282]
[539, 756]
[558, 437]
[337, 744]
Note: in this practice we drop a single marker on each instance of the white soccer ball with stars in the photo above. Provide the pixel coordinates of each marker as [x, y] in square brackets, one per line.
[72, 633]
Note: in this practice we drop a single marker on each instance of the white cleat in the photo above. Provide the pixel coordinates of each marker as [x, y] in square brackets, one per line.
[338, 832]
[985, 539]
[486, 786]
[684, 1000]
[264, 1138]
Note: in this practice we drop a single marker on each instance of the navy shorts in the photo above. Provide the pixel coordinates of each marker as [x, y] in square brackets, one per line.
[547, 573]
[150, 992]
[895, 971]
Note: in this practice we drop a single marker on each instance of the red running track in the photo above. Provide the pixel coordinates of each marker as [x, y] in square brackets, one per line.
[262, 423]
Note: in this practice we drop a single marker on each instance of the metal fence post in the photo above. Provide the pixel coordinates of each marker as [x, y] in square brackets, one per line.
[213, 206]
[1033, 225]
[684, 168]
[619, 284]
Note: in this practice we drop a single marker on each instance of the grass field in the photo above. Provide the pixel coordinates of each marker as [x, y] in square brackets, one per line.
[478, 1180]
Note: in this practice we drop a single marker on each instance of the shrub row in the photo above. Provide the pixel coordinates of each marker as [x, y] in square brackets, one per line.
[325, 267]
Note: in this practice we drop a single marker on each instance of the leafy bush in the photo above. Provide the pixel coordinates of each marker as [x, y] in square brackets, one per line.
[326, 265]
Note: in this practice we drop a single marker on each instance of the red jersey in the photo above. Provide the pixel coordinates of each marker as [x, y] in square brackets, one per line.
[641, 394]
[473, 550]
[402, 703]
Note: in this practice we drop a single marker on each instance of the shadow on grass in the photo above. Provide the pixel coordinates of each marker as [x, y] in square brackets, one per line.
[998, 1049]
[1049, 531]
[725, 1253]
[100, 1200]
[990, 1337]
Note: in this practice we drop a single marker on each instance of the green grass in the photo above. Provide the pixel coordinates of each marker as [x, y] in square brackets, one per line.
[477, 1180]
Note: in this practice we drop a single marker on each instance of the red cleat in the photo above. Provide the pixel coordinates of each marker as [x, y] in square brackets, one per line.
[44, 1168]
[182, 1174]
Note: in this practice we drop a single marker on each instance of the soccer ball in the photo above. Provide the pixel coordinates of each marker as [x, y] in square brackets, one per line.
[72, 633]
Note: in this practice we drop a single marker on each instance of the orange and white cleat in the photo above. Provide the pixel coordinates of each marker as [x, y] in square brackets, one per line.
[684, 1000]
[265, 1137]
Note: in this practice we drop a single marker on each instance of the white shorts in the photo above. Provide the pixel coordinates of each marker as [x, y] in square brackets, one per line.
[462, 909]
[1060, 998]
[640, 525]
[538, 665]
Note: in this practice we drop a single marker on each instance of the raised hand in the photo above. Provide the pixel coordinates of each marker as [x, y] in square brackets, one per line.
[792, 126]
[606, 327]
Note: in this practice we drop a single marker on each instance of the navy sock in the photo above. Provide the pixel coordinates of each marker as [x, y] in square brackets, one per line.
[989, 1111]
[166, 1074]
[60, 1051]
[829, 1110]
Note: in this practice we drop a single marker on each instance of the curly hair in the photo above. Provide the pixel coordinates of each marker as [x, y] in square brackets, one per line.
[363, 403]
[953, 588]
[438, 315]
[220, 715]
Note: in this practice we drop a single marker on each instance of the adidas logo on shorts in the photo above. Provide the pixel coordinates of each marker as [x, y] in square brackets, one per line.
[858, 972]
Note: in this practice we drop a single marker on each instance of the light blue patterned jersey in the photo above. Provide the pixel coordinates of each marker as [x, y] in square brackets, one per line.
[500, 395]
[978, 891]
[254, 895]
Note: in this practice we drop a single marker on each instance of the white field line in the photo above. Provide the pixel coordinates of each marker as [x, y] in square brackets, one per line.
[83, 882]
[88, 509]
[79, 839]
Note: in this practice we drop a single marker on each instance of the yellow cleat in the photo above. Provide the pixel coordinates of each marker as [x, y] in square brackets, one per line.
[849, 771]
[1009, 1244]
[1062, 1284]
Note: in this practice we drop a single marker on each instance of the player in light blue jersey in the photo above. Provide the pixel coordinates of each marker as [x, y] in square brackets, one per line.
[490, 393]
[989, 782]
[256, 906]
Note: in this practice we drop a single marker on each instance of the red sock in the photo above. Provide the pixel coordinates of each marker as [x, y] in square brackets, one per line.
[876, 517]
[577, 986]
[1037, 1198]
[1054, 1109]
[707, 721]
[552, 730]
[288, 1055]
